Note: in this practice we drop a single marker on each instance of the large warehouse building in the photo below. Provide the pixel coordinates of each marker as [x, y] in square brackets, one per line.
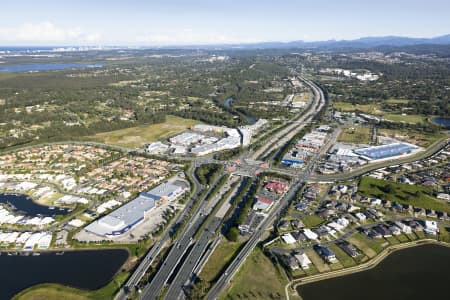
[386, 151]
[134, 212]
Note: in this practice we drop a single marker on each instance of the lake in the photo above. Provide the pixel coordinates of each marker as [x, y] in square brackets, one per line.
[444, 122]
[415, 273]
[26, 206]
[46, 67]
[81, 269]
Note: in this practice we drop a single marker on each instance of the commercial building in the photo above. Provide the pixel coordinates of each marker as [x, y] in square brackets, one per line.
[312, 141]
[262, 203]
[293, 163]
[249, 131]
[167, 191]
[156, 148]
[385, 151]
[186, 139]
[134, 212]
[122, 219]
[229, 142]
[209, 128]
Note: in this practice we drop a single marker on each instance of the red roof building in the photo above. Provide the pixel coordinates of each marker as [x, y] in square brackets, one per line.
[276, 186]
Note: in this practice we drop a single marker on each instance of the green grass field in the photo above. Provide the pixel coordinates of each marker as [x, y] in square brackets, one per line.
[342, 257]
[411, 136]
[397, 101]
[258, 278]
[50, 291]
[374, 244]
[365, 108]
[361, 244]
[444, 234]
[414, 195]
[141, 135]
[312, 221]
[412, 119]
[218, 259]
[375, 109]
[356, 134]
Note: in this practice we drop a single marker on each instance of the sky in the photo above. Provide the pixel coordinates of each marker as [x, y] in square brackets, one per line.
[178, 22]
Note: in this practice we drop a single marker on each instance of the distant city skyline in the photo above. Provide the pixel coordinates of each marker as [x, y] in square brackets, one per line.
[178, 22]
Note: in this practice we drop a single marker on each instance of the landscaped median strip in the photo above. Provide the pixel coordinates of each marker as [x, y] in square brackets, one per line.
[292, 285]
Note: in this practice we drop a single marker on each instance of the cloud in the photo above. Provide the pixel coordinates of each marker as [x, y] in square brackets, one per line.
[189, 36]
[46, 32]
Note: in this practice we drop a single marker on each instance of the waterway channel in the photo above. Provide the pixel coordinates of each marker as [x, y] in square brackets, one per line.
[25, 205]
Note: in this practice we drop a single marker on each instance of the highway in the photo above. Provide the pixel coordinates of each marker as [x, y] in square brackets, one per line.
[186, 272]
[225, 278]
[149, 258]
[187, 251]
[286, 134]
[232, 268]
[190, 263]
[182, 245]
[186, 239]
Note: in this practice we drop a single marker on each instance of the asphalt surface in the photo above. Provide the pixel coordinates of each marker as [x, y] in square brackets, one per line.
[285, 135]
[149, 258]
[197, 248]
[186, 274]
[225, 278]
[186, 239]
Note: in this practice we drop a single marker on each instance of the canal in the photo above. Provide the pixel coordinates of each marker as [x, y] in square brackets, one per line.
[421, 272]
[86, 269]
[26, 206]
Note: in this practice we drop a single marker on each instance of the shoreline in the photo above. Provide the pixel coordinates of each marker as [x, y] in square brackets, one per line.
[291, 287]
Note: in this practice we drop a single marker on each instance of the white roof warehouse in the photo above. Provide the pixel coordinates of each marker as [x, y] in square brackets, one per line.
[134, 212]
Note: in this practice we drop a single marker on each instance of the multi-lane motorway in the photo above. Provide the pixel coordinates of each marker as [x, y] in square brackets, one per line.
[189, 248]
[286, 134]
[186, 271]
[150, 257]
[183, 244]
[193, 249]
[225, 278]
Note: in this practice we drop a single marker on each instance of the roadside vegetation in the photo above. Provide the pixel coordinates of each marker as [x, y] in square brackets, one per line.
[50, 291]
[258, 278]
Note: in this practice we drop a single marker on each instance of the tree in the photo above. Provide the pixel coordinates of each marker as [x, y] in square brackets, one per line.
[233, 234]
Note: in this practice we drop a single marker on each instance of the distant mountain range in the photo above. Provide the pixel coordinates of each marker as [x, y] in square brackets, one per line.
[365, 42]
[361, 43]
